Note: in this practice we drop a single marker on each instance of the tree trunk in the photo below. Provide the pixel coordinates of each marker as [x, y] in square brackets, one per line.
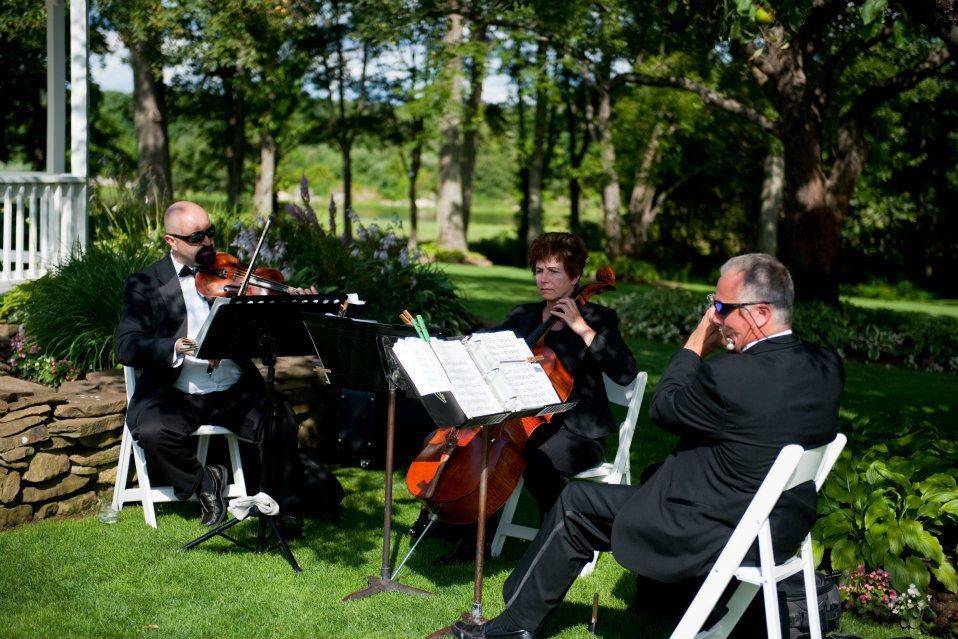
[415, 163]
[642, 208]
[537, 159]
[575, 190]
[812, 228]
[266, 176]
[154, 179]
[611, 198]
[771, 210]
[236, 140]
[522, 155]
[471, 121]
[450, 226]
[346, 150]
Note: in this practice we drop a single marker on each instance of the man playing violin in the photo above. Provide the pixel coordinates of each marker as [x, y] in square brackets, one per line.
[733, 415]
[176, 392]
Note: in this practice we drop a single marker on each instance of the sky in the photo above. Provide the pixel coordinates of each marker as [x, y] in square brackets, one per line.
[112, 73]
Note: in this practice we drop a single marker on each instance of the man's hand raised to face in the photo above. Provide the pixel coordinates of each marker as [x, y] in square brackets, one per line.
[706, 336]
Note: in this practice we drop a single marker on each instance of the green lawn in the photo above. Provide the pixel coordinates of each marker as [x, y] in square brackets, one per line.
[81, 578]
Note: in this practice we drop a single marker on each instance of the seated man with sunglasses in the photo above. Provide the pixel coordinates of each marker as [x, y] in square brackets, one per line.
[176, 392]
[733, 414]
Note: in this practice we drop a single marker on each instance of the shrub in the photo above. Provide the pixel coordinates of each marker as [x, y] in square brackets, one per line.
[376, 264]
[626, 269]
[73, 310]
[913, 340]
[503, 249]
[882, 508]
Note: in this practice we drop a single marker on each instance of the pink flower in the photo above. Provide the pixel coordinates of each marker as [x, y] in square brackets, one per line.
[863, 598]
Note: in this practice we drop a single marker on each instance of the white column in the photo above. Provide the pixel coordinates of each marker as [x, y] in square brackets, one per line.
[78, 87]
[79, 58]
[56, 89]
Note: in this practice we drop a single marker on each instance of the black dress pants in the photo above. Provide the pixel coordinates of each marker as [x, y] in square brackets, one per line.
[553, 454]
[579, 524]
[166, 420]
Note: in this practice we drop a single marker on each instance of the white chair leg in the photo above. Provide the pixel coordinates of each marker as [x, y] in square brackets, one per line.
[202, 447]
[589, 568]
[239, 480]
[811, 591]
[499, 539]
[773, 622]
[122, 470]
[146, 490]
[736, 607]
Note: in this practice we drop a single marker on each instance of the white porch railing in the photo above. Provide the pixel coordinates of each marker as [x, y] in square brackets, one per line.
[44, 217]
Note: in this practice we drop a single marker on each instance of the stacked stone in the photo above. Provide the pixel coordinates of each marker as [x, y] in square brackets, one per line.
[58, 449]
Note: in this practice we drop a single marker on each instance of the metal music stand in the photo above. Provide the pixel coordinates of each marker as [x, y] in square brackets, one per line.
[356, 354]
[264, 327]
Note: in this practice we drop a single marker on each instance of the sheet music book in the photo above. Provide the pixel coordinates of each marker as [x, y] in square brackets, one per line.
[485, 373]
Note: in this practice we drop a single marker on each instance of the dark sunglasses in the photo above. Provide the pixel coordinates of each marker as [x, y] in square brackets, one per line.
[197, 237]
[724, 308]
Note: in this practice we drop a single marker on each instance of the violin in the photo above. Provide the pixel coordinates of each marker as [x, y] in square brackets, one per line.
[223, 277]
[445, 474]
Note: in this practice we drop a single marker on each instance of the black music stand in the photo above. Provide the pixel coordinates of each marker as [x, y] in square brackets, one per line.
[264, 327]
[356, 354]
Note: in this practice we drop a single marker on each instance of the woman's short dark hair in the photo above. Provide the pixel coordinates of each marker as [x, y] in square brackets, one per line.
[565, 247]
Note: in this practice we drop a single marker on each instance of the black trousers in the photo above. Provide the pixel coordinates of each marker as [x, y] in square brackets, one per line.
[167, 419]
[579, 524]
[553, 454]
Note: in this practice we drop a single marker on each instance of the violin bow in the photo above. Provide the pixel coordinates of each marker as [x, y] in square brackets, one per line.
[252, 262]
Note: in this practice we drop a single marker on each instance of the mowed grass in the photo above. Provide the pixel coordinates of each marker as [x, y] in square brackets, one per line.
[81, 578]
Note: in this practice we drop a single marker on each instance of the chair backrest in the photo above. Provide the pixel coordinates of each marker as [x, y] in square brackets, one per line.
[129, 376]
[793, 466]
[631, 397]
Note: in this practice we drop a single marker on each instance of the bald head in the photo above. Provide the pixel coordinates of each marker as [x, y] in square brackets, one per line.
[185, 217]
[181, 220]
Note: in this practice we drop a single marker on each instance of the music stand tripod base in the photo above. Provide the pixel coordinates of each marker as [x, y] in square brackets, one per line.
[264, 521]
[384, 584]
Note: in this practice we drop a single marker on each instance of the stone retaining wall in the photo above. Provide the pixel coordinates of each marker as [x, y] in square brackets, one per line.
[59, 448]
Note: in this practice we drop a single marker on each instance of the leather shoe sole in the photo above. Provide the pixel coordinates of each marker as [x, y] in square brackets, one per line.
[466, 630]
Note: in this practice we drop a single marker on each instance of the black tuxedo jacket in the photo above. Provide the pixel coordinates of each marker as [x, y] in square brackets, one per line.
[733, 415]
[607, 354]
[152, 319]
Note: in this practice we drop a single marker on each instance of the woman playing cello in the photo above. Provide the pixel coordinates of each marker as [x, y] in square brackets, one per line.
[587, 341]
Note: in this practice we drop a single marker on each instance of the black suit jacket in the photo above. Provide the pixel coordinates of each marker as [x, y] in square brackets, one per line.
[733, 415]
[152, 319]
[607, 354]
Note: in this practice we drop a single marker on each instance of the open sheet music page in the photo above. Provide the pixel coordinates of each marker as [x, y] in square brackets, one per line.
[471, 391]
[508, 355]
[421, 365]
[204, 329]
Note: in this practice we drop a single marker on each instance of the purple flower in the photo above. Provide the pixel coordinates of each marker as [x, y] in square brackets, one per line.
[304, 188]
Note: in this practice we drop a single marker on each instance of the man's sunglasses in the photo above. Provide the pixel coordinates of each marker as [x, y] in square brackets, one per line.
[197, 237]
[724, 308]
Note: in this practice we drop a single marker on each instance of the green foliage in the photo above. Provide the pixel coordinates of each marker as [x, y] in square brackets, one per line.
[375, 263]
[626, 269]
[27, 362]
[903, 339]
[73, 311]
[15, 303]
[890, 507]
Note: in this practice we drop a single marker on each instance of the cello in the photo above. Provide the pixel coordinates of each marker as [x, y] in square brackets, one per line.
[445, 475]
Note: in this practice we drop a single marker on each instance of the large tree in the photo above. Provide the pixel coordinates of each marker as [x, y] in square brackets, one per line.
[825, 68]
[145, 26]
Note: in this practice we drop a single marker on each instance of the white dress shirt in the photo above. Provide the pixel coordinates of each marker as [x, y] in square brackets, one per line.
[193, 378]
[754, 342]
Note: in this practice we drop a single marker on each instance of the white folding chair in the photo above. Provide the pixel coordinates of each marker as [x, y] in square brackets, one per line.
[793, 466]
[144, 491]
[617, 472]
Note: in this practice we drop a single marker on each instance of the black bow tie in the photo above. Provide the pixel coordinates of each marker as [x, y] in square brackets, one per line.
[187, 271]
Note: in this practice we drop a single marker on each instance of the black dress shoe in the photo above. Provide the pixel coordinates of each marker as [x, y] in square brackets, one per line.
[466, 630]
[420, 524]
[212, 502]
